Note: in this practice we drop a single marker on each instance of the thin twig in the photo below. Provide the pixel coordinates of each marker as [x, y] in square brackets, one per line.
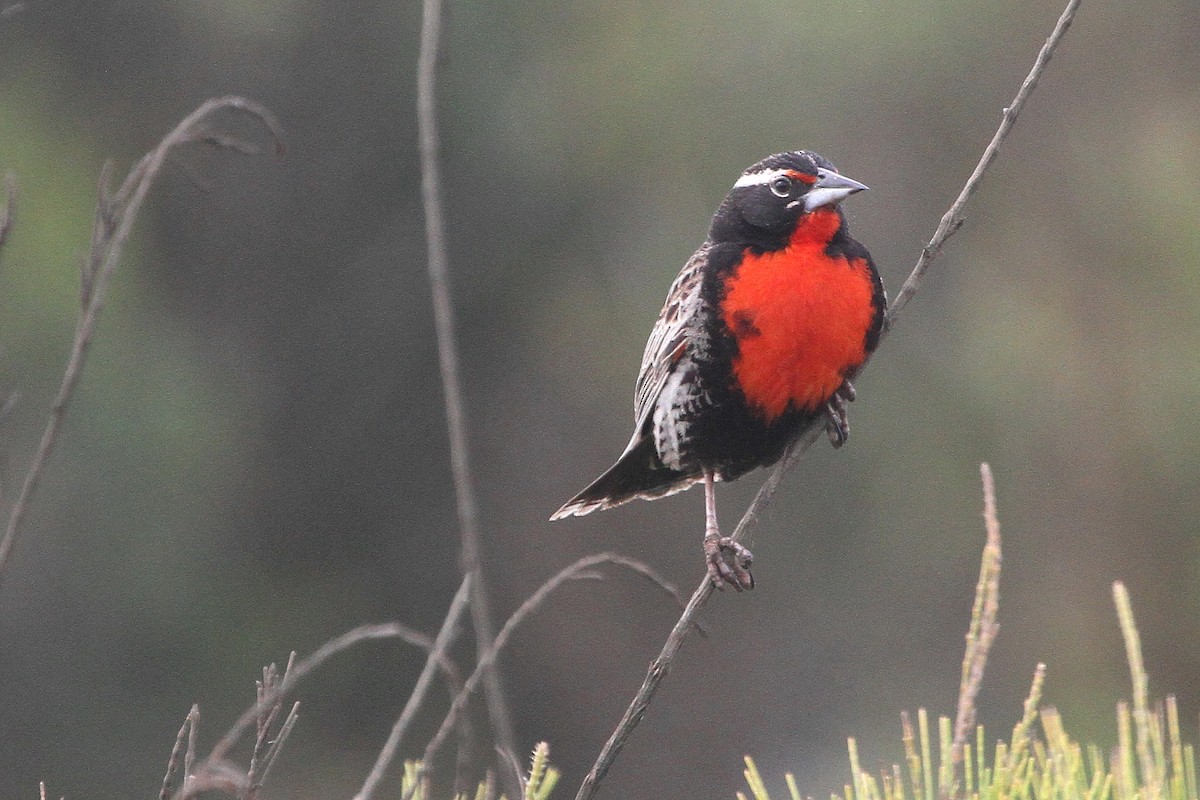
[1020, 735]
[176, 753]
[264, 718]
[445, 637]
[221, 777]
[514, 766]
[189, 755]
[659, 668]
[950, 224]
[456, 422]
[580, 570]
[984, 626]
[1141, 683]
[301, 670]
[285, 730]
[954, 218]
[114, 220]
[6, 210]
[269, 705]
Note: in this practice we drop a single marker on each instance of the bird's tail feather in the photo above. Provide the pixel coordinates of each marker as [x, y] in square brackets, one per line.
[638, 473]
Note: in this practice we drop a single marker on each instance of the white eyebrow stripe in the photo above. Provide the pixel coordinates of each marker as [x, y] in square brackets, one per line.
[760, 178]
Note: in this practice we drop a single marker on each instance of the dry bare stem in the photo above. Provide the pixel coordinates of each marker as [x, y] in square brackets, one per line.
[1142, 717]
[583, 569]
[8, 403]
[216, 764]
[189, 757]
[984, 626]
[266, 746]
[6, 210]
[440, 646]
[184, 736]
[456, 419]
[115, 216]
[255, 781]
[949, 225]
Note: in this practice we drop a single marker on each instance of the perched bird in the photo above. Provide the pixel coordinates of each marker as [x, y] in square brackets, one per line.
[760, 335]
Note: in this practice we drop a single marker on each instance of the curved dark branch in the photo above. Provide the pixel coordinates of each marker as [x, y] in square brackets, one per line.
[115, 216]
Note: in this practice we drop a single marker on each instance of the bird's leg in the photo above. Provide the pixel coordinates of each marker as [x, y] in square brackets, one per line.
[728, 561]
[838, 426]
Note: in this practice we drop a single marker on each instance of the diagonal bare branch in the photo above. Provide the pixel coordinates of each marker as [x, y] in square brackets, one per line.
[583, 569]
[950, 223]
[953, 218]
[115, 217]
[440, 646]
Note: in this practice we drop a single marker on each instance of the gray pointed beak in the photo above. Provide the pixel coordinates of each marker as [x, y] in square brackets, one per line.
[830, 189]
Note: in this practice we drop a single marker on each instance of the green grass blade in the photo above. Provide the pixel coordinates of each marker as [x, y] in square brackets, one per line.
[926, 758]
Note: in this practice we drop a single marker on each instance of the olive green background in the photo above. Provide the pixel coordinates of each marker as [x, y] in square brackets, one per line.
[256, 459]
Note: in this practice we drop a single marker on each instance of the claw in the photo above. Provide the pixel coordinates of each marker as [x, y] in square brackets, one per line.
[728, 562]
[838, 426]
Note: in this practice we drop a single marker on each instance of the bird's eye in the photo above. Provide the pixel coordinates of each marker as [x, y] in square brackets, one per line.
[781, 186]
